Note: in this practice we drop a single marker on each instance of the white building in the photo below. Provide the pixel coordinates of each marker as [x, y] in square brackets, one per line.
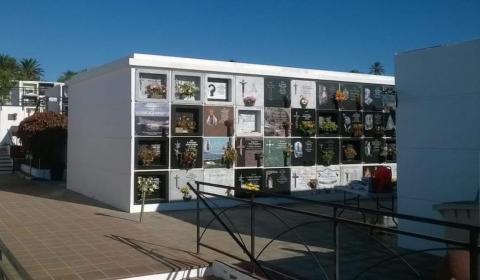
[170, 106]
[28, 94]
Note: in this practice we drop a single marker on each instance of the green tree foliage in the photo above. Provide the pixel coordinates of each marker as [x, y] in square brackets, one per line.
[67, 75]
[377, 69]
[8, 73]
[30, 69]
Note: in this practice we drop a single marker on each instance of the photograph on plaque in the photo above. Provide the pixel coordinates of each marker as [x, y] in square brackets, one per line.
[328, 151]
[277, 122]
[187, 120]
[369, 170]
[249, 152]
[152, 86]
[151, 153]
[389, 123]
[186, 152]
[249, 91]
[303, 179]
[326, 95]
[249, 122]
[304, 151]
[213, 151]
[328, 176]
[372, 150]
[373, 97]
[276, 180]
[328, 123]
[389, 151]
[303, 94]
[218, 121]
[222, 177]
[159, 180]
[277, 92]
[218, 89]
[351, 151]
[350, 173]
[303, 123]
[277, 152]
[152, 119]
[179, 191]
[187, 88]
[351, 123]
[349, 97]
[389, 98]
[373, 124]
[251, 176]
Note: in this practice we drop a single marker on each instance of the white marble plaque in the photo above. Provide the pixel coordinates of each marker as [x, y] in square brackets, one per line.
[303, 94]
[350, 173]
[249, 122]
[180, 178]
[328, 176]
[300, 177]
[220, 176]
[249, 91]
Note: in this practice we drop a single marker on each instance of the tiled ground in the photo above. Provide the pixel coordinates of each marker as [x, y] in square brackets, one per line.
[57, 234]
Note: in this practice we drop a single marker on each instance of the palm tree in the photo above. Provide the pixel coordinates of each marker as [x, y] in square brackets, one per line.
[355, 71]
[377, 69]
[30, 69]
[67, 75]
[8, 74]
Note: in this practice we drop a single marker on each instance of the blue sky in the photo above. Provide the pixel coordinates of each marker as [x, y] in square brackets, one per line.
[331, 35]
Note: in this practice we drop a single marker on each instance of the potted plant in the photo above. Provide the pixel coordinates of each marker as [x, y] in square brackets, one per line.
[349, 152]
[188, 158]
[286, 126]
[287, 152]
[229, 125]
[185, 190]
[327, 126]
[327, 156]
[303, 102]
[156, 90]
[187, 89]
[307, 128]
[229, 156]
[146, 185]
[249, 100]
[146, 155]
[313, 184]
[341, 97]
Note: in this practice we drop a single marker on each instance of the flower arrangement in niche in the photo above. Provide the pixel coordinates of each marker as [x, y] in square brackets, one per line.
[185, 124]
[249, 100]
[156, 90]
[252, 187]
[147, 155]
[303, 102]
[328, 126]
[185, 191]
[327, 156]
[229, 156]
[341, 96]
[357, 129]
[186, 89]
[188, 158]
[307, 128]
[349, 152]
[312, 184]
[146, 185]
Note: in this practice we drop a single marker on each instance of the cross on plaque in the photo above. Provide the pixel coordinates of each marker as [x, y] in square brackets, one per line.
[270, 87]
[241, 147]
[177, 147]
[240, 179]
[243, 83]
[295, 176]
[269, 144]
[297, 116]
[295, 87]
[176, 177]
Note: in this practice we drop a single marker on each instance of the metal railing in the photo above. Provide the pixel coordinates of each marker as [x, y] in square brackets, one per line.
[261, 268]
[10, 267]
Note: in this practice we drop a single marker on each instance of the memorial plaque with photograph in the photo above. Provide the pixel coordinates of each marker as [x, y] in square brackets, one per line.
[389, 98]
[369, 171]
[349, 173]
[179, 190]
[213, 151]
[351, 123]
[373, 124]
[249, 152]
[188, 88]
[389, 123]
[303, 122]
[328, 123]
[186, 152]
[152, 119]
[151, 153]
[328, 176]
[303, 94]
[218, 121]
[218, 89]
[328, 151]
[326, 95]
[277, 122]
[303, 151]
[249, 122]
[253, 177]
[276, 180]
[249, 91]
[373, 97]
[349, 97]
[159, 179]
[303, 179]
[187, 120]
[389, 150]
[277, 152]
[277, 92]
[351, 151]
[372, 149]
[222, 177]
[152, 86]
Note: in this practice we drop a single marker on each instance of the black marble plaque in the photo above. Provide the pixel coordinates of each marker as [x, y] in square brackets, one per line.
[304, 150]
[151, 153]
[249, 152]
[390, 150]
[277, 122]
[244, 176]
[277, 180]
[187, 120]
[351, 123]
[373, 124]
[373, 97]
[372, 149]
[303, 122]
[326, 95]
[390, 123]
[160, 178]
[186, 152]
[328, 123]
[353, 95]
[277, 92]
[351, 151]
[277, 152]
[389, 98]
[328, 151]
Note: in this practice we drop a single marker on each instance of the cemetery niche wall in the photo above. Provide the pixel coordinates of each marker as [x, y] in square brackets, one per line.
[293, 131]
